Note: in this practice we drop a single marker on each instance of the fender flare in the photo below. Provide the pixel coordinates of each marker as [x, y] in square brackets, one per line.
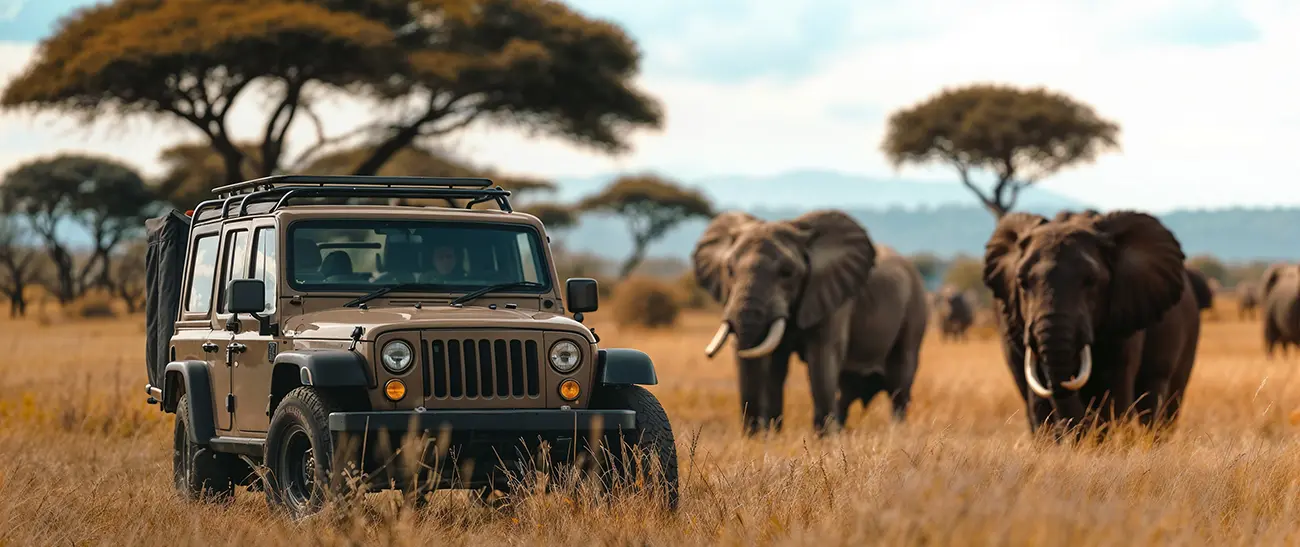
[191, 378]
[327, 367]
[623, 366]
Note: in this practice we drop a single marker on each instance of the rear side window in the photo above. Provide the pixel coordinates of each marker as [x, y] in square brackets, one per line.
[236, 261]
[264, 265]
[205, 268]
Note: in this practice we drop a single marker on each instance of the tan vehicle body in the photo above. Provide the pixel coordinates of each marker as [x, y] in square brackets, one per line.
[299, 367]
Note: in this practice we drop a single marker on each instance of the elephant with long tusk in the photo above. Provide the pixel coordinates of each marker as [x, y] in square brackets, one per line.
[1111, 285]
[815, 286]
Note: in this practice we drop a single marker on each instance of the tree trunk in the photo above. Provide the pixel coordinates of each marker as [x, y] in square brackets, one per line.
[387, 149]
[634, 260]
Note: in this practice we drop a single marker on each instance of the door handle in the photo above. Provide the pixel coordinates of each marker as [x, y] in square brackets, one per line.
[236, 347]
[209, 347]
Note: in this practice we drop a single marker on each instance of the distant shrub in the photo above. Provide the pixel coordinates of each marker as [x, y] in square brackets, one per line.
[94, 305]
[690, 294]
[645, 302]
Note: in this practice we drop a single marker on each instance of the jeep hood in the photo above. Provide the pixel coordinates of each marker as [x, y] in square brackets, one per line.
[337, 324]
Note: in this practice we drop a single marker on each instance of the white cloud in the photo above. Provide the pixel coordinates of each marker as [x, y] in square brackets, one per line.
[1201, 126]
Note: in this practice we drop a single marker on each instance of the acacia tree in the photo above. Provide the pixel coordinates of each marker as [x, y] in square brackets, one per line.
[191, 170]
[426, 67]
[19, 265]
[651, 206]
[105, 198]
[1019, 135]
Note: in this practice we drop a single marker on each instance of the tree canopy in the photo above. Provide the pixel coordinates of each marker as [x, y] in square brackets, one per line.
[651, 206]
[429, 68]
[107, 199]
[1019, 135]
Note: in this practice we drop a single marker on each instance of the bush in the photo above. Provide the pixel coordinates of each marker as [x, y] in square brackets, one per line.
[645, 302]
[94, 305]
[690, 294]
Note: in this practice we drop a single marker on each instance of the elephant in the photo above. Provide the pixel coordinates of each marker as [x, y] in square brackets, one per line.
[1247, 300]
[1280, 296]
[815, 286]
[1111, 286]
[956, 313]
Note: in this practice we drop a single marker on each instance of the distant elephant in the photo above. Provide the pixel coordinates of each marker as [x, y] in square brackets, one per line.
[1107, 286]
[1247, 300]
[816, 286]
[1280, 294]
[956, 313]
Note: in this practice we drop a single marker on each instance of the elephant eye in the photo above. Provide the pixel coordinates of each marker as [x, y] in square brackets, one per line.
[787, 270]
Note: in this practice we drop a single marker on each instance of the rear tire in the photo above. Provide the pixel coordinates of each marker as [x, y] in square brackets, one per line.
[198, 473]
[648, 452]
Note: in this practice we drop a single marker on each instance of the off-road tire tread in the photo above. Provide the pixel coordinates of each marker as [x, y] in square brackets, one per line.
[318, 407]
[654, 431]
[211, 474]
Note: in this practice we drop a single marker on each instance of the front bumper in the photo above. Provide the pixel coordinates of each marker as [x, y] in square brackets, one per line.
[483, 421]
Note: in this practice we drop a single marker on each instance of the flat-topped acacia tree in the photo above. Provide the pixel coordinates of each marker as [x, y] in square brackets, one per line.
[426, 68]
[651, 205]
[1019, 135]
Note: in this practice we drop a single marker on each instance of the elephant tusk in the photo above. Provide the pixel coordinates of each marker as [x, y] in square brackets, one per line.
[1031, 377]
[724, 331]
[1085, 370]
[768, 344]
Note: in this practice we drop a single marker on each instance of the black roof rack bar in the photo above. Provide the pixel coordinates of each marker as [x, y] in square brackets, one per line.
[272, 182]
[497, 194]
[202, 205]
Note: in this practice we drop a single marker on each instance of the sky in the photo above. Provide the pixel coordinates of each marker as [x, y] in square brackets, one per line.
[1203, 90]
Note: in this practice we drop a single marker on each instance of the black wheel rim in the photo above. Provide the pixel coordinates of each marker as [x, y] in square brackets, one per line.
[297, 469]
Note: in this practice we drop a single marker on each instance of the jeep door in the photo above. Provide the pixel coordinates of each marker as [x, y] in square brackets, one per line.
[235, 245]
[252, 363]
[194, 335]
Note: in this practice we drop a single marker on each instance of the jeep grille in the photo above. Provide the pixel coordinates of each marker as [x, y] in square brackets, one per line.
[483, 368]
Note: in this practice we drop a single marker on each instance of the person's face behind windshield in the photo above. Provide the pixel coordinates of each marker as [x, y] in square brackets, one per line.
[444, 259]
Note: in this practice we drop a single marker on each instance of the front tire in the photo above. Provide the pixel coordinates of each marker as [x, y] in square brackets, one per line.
[649, 452]
[198, 473]
[299, 453]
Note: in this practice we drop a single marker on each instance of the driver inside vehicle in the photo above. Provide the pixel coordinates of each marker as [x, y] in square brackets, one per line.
[447, 264]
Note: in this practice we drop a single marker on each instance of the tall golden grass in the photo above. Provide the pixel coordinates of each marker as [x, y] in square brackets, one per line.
[84, 461]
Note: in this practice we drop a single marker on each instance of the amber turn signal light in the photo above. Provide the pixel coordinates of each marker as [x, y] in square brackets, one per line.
[394, 390]
[569, 390]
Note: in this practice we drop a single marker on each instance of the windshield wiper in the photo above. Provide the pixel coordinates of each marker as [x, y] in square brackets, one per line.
[380, 292]
[498, 287]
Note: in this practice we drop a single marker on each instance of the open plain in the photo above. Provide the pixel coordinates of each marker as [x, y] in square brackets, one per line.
[84, 460]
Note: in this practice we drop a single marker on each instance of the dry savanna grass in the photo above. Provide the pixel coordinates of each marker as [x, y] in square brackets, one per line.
[84, 461]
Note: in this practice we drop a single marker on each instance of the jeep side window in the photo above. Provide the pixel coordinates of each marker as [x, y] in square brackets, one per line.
[205, 269]
[236, 262]
[264, 265]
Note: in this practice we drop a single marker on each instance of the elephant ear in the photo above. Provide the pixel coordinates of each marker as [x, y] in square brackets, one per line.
[1270, 278]
[1147, 270]
[1002, 251]
[714, 248]
[840, 257]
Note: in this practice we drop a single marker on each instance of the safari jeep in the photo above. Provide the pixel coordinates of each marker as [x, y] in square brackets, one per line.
[297, 335]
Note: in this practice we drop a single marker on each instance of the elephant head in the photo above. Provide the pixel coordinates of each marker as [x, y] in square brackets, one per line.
[1275, 274]
[770, 275]
[1064, 284]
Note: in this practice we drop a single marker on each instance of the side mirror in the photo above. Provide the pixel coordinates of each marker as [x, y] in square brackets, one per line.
[248, 296]
[581, 294]
[245, 296]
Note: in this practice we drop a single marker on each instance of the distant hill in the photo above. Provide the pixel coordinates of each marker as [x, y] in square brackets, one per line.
[1230, 234]
[812, 188]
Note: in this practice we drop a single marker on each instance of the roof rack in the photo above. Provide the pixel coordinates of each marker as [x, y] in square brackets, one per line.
[281, 188]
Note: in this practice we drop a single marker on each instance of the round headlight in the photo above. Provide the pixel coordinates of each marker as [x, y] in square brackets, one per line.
[397, 356]
[565, 356]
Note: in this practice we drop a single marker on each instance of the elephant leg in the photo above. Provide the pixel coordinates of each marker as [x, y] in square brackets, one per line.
[858, 387]
[824, 365]
[774, 391]
[753, 386]
[901, 368]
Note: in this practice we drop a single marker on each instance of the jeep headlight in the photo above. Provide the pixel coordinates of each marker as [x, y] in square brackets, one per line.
[397, 356]
[565, 356]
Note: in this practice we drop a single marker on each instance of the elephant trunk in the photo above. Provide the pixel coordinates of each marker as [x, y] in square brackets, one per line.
[1068, 362]
[769, 343]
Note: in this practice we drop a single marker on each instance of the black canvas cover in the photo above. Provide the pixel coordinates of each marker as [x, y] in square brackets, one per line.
[168, 236]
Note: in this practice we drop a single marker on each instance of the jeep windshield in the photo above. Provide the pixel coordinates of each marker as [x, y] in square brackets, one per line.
[364, 255]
